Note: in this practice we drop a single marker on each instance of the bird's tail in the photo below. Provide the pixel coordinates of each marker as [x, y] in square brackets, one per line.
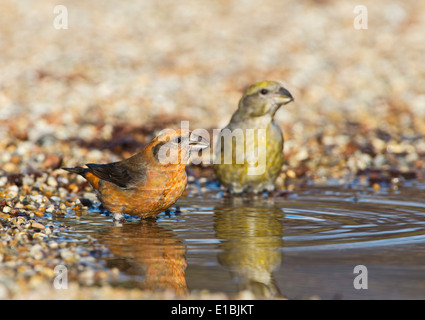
[86, 173]
[77, 170]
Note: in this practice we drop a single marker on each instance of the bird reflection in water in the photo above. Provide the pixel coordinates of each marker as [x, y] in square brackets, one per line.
[250, 230]
[146, 249]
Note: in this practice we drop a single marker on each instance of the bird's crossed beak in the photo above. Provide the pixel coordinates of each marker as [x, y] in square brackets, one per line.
[282, 96]
[197, 142]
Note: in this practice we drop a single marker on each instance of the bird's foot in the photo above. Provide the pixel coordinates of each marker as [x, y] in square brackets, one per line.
[118, 218]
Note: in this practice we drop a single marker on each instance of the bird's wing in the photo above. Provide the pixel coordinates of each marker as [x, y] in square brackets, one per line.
[119, 173]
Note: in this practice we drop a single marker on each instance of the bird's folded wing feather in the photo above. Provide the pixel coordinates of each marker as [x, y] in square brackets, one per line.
[118, 173]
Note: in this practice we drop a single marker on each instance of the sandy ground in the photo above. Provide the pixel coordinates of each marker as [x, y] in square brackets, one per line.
[100, 89]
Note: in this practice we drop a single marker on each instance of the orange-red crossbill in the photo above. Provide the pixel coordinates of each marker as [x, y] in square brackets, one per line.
[148, 182]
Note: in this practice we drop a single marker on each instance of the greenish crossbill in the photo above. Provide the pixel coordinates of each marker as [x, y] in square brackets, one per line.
[249, 150]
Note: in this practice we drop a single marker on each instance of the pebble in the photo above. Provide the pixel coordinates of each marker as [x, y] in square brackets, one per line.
[51, 181]
[3, 181]
[53, 245]
[7, 209]
[36, 225]
[39, 236]
[90, 196]
[50, 209]
[36, 251]
[52, 161]
[67, 255]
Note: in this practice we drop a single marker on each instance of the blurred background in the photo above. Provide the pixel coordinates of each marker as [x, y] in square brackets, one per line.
[99, 90]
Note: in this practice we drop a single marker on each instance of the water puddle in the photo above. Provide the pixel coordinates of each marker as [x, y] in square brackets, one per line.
[298, 245]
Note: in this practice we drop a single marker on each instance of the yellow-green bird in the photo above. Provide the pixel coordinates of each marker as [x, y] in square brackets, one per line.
[249, 150]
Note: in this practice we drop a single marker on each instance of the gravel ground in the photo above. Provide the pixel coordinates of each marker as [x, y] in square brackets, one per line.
[101, 89]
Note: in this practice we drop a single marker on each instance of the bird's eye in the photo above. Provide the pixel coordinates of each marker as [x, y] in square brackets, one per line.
[264, 91]
[178, 139]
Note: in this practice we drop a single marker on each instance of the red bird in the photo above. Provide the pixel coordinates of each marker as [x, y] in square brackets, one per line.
[150, 181]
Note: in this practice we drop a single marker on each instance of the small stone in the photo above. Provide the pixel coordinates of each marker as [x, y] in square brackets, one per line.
[19, 205]
[302, 155]
[52, 161]
[246, 295]
[31, 207]
[7, 209]
[39, 236]
[291, 174]
[16, 159]
[87, 276]
[36, 225]
[90, 196]
[55, 198]
[53, 244]
[52, 182]
[376, 187]
[27, 180]
[36, 251]
[67, 255]
[38, 213]
[3, 181]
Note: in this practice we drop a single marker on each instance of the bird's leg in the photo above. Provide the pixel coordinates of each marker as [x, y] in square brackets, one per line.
[118, 216]
[272, 194]
[270, 189]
